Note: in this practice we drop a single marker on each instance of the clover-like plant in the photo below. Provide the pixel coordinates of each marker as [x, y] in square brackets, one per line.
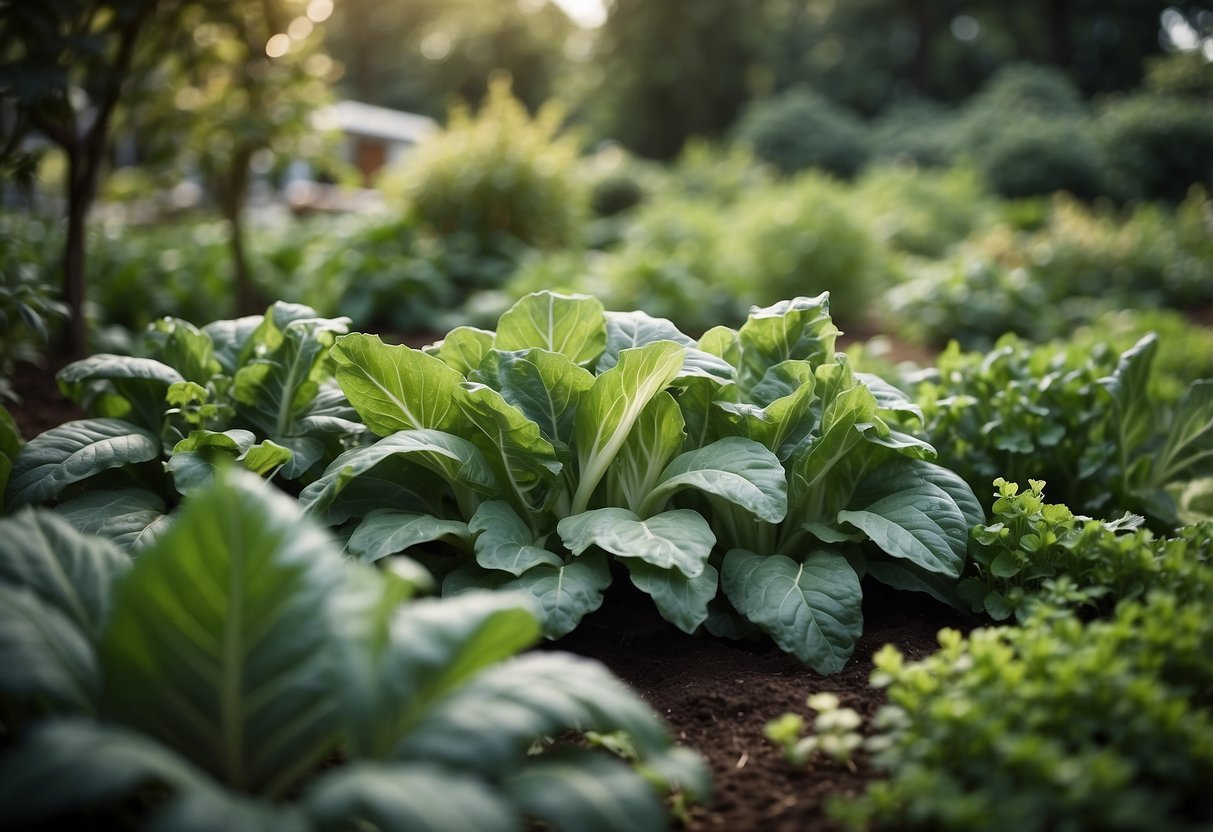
[217, 681]
[754, 461]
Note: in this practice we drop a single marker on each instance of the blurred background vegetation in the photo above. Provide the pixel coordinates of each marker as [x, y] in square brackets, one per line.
[945, 169]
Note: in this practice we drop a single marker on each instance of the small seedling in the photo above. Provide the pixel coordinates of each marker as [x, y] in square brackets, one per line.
[834, 734]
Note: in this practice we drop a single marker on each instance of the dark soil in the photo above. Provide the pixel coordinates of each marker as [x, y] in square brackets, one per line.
[42, 406]
[718, 695]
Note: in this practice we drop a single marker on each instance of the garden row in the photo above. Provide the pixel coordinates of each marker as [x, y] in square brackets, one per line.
[749, 482]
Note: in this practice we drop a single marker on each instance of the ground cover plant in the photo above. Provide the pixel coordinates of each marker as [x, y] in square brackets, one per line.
[721, 474]
[214, 681]
[255, 390]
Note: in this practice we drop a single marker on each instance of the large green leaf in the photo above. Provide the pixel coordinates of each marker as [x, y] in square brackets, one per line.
[457, 460]
[195, 458]
[1133, 410]
[65, 766]
[397, 388]
[120, 386]
[219, 640]
[574, 788]
[233, 340]
[207, 809]
[387, 531]
[185, 348]
[681, 600]
[505, 542]
[572, 325]
[64, 569]
[47, 661]
[564, 595]
[679, 539]
[1188, 450]
[464, 348]
[523, 460]
[627, 330]
[75, 451]
[546, 386]
[130, 518]
[405, 796]
[908, 516]
[792, 329]
[437, 646]
[611, 407]
[812, 610]
[842, 426]
[655, 438]
[489, 723]
[735, 469]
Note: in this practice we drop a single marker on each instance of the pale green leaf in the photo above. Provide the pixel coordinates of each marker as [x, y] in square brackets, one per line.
[564, 594]
[679, 539]
[545, 386]
[738, 470]
[464, 348]
[130, 518]
[387, 531]
[572, 325]
[505, 542]
[681, 600]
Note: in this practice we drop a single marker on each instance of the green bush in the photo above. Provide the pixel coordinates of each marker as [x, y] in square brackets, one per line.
[920, 131]
[1039, 156]
[1184, 74]
[500, 173]
[923, 212]
[1051, 726]
[1017, 92]
[1080, 417]
[719, 175]
[1157, 147]
[801, 129]
[674, 262]
[29, 308]
[803, 238]
[1036, 555]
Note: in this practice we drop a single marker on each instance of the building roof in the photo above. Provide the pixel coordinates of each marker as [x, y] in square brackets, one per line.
[358, 119]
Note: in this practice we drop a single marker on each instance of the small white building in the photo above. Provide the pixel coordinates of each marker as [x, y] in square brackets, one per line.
[373, 137]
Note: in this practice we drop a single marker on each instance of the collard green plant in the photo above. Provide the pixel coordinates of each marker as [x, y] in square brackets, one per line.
[257, 391]
[1053, 725]
[734, 478]
[239, 655]
[1082, 420]
[1036, 553]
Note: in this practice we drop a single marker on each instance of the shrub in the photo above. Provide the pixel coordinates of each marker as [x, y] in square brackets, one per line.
[1017, 92]
[1054, 725]
[714, 174]
[29, 308]
[923, 212]
[805, 237]
[1180, 74]
[800, 129]
[498, 173]
[1157, 147]
[1033, 156]
[920, 131]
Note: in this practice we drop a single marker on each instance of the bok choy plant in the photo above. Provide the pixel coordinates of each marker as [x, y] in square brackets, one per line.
[239, 674]
[753, 461]
[257, 391]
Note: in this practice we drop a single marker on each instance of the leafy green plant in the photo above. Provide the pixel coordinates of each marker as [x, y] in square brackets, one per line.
[754, 461]
[10, 447]
[834, 734]
[1156, 146]
[499, 173]
[257, 391]
[1036, 553]
[805, 235]
[1082, 420]
[1054, 725]
[923, 212]
[800, 129]
[1041, 155]
[230, 665]
[29, 305]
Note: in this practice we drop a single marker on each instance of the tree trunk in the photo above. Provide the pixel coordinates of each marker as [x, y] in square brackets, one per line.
[920, 66]
[1060, 40]
[81, 183]
[232, 196]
